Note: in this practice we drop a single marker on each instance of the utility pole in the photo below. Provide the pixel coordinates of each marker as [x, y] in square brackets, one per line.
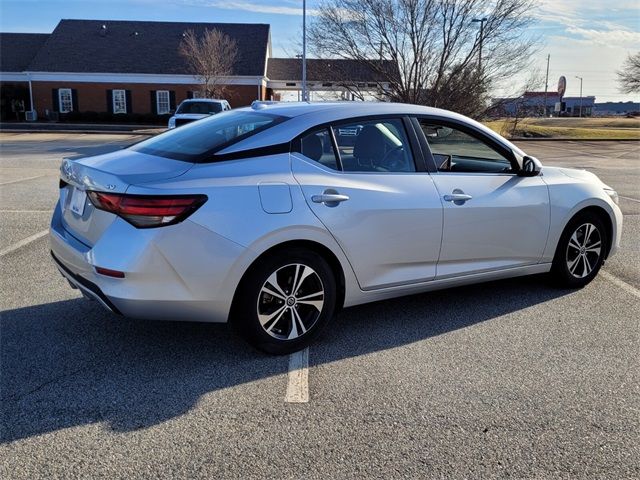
[481, 21]
[546, 85]
[304, 51]
[580, 78]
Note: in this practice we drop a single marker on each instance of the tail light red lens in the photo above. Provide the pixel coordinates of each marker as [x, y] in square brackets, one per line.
[148, 211]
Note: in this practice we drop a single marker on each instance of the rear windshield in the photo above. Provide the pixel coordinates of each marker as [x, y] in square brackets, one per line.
[200, 107]
[198, 141]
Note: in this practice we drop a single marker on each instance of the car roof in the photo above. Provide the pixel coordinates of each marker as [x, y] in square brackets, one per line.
[350, 108]
[210, 100]
[310, 114]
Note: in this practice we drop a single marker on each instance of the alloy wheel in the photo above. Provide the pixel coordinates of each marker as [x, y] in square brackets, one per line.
[584, 250]
[290, 301]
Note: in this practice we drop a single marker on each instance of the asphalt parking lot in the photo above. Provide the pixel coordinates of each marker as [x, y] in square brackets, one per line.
[508, 379]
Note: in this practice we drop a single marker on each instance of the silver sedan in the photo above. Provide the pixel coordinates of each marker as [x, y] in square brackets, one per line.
[273, 217]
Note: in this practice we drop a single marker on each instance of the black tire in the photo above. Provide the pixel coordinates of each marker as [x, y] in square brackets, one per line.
[253, 304]
[566, 274]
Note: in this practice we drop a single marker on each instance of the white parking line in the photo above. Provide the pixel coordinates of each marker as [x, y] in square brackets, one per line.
[629, 198]
[22, 179]
[298, 386]
[621, 283]
[23, 242]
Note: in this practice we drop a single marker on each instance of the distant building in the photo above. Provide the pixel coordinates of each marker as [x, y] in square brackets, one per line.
[532, 104]
[617, 108]
[110, 70]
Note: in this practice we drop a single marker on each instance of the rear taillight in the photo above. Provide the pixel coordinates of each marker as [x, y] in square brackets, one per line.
[147, 211]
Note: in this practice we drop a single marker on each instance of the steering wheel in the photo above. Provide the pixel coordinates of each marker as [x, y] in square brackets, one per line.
[391, 164]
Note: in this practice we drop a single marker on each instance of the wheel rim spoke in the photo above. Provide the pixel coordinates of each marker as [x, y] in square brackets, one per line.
[293, 333]
[302, 272]
[573, 264]
[573, 242]
[273, 281]
[273, 294]
[314, 303]
[296, 320]
[273, 318]
[311, 295]
[587, 234]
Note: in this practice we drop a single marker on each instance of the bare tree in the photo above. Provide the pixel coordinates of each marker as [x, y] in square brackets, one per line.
[210, 57]
[629, 76]
[434, 44]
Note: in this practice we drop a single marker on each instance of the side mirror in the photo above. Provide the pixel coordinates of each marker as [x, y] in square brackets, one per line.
[530, 167]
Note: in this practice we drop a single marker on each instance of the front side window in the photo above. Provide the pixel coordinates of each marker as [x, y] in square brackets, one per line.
[374, 146]
[163, 105]
[198, 141]
[119, 101]
[456, 151]
[65, 100]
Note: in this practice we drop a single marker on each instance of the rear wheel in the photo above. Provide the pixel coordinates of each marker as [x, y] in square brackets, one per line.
[580, 252]
[285, 301]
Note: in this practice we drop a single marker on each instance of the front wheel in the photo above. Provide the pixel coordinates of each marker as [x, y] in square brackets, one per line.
[285, 301]
[580, 252]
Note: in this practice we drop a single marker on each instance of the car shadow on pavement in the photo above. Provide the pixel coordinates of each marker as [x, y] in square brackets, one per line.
[69, 363]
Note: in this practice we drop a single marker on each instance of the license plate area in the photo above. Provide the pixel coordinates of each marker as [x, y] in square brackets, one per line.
[78, 201]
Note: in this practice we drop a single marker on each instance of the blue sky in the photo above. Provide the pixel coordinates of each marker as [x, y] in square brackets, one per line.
[589, 38]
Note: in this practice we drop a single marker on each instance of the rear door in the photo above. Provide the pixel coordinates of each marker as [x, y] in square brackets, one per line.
[493, 218]
[365, 181]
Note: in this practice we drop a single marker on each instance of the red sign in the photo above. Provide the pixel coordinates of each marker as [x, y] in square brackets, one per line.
[562, 86]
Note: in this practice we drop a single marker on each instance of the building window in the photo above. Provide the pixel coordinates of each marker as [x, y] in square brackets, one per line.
[198, 94]
[119, 101]
[163, 105]
[65, 100]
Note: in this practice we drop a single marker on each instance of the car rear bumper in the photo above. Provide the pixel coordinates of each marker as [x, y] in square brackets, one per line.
[180, 272]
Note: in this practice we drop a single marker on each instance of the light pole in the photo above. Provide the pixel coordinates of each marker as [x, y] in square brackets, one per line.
[546, 85]
[481, 21]
[304, 50]
[580, 78]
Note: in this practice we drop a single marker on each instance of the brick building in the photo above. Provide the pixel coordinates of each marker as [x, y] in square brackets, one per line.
[101, 70]
[123, 67]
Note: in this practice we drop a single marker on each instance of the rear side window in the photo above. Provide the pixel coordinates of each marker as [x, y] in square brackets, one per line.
[197, 141]
[318, 147]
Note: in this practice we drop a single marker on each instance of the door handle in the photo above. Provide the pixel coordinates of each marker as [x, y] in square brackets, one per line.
[458, 197]
[330, 198]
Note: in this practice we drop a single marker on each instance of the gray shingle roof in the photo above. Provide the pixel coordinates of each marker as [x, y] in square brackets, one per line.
[83, 46]
[330, 70]
[18, 49]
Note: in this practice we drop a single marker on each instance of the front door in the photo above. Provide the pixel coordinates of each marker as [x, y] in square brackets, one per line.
[493, 218]
[360, 180]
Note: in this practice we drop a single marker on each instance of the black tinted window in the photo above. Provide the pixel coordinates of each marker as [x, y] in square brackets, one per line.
[195, 141]
[318, 147]
[199, 107]
[457, 151]
[374, 146]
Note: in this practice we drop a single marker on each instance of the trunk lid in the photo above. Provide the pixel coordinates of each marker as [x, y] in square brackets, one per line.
[113, 172]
